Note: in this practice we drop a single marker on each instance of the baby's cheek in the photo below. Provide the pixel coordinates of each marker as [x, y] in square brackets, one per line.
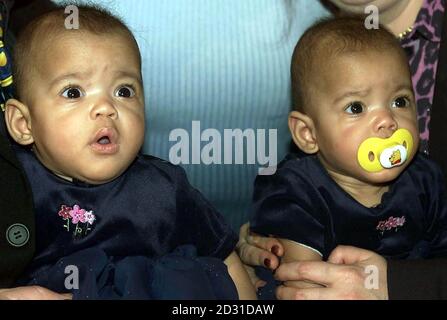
[349, 140]
[63, 141]
[412, 127]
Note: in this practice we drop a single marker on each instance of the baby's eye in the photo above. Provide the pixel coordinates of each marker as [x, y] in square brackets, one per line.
[125, 92]
[401, 102]
[72, 93]
[354, 108]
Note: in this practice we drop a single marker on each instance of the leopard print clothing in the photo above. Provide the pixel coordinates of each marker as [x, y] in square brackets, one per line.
[422, 46]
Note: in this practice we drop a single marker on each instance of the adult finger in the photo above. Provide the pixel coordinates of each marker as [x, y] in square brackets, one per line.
[255, 256]
[349, 255]
[40, 293]
[267, 243]
[324, 293]
[289, 293]
[320, 272]
[32, 293]
[256, 250]
[270, 244]
[244, 230]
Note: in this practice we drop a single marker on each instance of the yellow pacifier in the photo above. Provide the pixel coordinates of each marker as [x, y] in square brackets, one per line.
[376, 154]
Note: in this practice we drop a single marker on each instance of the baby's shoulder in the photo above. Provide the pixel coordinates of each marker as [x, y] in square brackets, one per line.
[303, 167]
[303, 171]
[149, 165]
[424, 173]
[149, 160]
[423, 167]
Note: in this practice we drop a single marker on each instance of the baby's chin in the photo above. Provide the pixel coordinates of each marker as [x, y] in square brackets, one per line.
[97, 177]
[100, 172]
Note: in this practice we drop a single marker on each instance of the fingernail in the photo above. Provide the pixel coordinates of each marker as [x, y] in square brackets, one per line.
[275, 250]
[267, 262]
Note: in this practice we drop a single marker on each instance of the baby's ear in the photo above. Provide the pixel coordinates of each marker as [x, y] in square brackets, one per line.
[303, 132]
[18, 122]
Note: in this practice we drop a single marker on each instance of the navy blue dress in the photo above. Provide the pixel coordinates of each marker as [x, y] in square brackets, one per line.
[302, 203]
[146, 234]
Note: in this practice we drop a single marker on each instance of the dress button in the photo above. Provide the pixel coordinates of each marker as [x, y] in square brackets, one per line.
[17, 235]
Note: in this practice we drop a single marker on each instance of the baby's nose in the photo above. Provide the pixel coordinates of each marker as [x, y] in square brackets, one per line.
[385, 123]
[104, 107]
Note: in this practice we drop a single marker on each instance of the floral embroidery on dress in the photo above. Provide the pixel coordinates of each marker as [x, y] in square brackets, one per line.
[390, 223]
[77, 219]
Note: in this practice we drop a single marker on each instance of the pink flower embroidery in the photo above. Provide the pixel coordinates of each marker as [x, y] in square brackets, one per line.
[77, 214]
[390, 223]
[78, 218]
[64, 212]
[89, 217]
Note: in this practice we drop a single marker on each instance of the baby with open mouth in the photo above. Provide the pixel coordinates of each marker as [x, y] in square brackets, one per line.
[131, 224]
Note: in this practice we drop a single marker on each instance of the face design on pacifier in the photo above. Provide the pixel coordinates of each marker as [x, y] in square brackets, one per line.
[376, 154]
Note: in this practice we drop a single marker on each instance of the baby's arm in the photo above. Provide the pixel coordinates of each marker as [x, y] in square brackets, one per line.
[294, 251]
[240, 277]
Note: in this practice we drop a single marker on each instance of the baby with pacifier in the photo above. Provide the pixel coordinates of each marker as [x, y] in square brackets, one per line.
[363, 183]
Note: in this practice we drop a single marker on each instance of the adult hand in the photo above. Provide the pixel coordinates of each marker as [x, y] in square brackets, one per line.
[343, 276]
[32, 293]
[256, 250]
